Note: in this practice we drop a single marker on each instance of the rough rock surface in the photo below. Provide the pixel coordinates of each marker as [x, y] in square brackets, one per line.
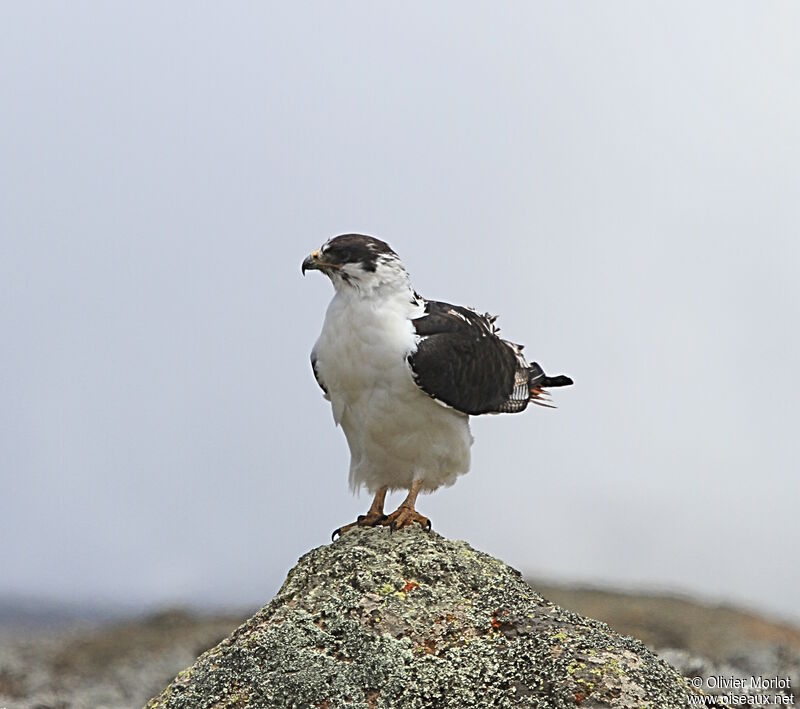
[415, 620]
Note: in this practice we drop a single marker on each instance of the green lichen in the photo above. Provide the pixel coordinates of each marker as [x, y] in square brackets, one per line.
[612, 665]
[346, 630]
[573, 667]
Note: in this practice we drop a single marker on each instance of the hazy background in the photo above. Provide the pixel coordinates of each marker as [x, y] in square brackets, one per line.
[619, 181]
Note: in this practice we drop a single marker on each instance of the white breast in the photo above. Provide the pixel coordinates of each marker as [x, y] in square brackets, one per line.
[396, 432]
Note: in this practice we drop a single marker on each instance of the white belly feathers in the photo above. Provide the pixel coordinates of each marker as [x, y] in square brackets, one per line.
[396, 432]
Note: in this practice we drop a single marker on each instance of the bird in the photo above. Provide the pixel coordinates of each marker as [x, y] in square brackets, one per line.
[404, 375]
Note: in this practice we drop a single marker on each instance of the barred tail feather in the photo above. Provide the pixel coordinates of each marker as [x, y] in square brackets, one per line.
[538, 381]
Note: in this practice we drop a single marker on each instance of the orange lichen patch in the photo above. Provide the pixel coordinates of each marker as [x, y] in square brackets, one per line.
[579, 697]
[409, 587]
[499, 620]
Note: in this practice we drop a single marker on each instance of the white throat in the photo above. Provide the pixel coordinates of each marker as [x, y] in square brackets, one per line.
[388, 282]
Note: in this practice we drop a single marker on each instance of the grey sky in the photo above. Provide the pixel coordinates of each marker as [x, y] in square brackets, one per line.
[619, 181]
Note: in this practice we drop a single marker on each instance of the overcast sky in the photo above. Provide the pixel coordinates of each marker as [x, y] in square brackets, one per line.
[619, 181]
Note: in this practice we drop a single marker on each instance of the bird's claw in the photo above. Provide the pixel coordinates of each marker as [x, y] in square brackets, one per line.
[405, 517]
[371, 520]
[367, 520]
[394, 526]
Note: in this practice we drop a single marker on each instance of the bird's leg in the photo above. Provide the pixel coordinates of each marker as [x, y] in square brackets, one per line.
[374, 515]
[375, 511]
[406, 515]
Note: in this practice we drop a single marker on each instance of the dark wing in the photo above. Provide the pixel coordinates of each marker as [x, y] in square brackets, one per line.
[316, 374]
[462, 362]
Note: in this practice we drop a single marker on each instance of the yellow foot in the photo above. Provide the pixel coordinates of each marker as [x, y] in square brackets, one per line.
[405, 516]
[368, 520]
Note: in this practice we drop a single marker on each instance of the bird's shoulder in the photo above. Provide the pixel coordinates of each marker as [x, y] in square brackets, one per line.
[441, 318]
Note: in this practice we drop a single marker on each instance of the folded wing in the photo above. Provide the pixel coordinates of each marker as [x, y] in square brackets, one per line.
[462, 362]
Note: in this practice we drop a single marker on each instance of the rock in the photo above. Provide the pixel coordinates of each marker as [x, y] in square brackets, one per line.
[411, 619]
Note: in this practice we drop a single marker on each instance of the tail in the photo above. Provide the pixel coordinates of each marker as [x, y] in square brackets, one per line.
[538, 381]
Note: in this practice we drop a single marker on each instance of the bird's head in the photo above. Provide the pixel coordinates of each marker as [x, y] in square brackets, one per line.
[355, 261]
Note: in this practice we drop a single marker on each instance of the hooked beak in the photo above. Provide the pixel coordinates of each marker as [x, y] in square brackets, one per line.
[316, 262]
[312, 263]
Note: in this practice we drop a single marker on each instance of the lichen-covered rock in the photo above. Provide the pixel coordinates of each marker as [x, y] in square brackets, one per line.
[411, 619]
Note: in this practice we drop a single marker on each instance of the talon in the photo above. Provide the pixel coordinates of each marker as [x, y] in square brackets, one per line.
[370, 520]
[341, 530]
[373, 517]
[405, 516]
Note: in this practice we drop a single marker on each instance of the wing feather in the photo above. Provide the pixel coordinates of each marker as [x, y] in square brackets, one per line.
[317, 375]
[461, 361]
